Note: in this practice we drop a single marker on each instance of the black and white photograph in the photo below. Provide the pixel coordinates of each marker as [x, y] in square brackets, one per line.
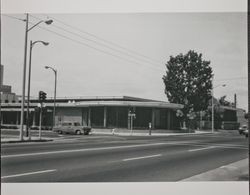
[133, 98]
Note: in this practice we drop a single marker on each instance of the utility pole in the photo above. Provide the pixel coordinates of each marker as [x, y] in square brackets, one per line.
[28, 98]
[212, 107]
[212, 93]
[29, 78]
[235, 100]
[24, 77]
[54, 109]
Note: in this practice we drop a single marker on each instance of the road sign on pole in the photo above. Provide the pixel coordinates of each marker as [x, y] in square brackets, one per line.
[131, 118]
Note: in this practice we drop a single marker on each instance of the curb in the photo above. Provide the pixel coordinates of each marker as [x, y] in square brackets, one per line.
[25, 141]
[153, 134]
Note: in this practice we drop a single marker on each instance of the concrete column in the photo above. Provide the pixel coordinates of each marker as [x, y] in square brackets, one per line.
[34, 119]
[153, 118]
[17, 118]
[89, 117]
[169, 119]
[105, 117]
[1, 117]
[128, 120]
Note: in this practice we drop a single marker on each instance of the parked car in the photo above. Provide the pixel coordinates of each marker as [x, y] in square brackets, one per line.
[242, 129]
[72, 128]
[245, 133]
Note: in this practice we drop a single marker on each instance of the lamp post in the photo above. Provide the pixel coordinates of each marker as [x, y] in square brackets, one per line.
[27, 29]
[54, 110]
[212, 93]
[29, 76]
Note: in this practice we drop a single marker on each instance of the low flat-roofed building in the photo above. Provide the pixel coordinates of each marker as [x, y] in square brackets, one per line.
[100, 112]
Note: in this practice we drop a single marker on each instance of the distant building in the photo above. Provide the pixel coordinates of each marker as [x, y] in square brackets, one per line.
[241, 116]
[5, 90]
[225, 117]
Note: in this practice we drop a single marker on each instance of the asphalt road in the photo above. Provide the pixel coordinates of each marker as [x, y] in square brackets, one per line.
[104, 158]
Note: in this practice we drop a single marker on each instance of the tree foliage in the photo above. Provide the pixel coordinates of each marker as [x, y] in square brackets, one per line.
[188, 81]
[224, 102]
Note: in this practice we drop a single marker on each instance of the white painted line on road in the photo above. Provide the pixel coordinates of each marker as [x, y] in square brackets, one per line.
[30, 173]
[142, 157]
[193, 150]
[80, 150]
[119, 147]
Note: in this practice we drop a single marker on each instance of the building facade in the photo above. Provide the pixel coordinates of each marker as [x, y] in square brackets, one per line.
[100, 112]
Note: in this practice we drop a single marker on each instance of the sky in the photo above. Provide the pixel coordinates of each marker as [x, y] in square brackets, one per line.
[88, 52]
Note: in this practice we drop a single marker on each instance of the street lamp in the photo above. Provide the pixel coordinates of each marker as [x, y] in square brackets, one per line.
[27, 29]
[29, 76]
[223, 85]
[54, 111]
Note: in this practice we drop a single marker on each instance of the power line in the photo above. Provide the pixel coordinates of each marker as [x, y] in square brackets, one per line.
[96, 42]
[233, 78]
[87, 45]
[106, 41]
[13, 17]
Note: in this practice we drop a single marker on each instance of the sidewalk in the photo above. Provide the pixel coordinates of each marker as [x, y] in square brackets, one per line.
[126, 132]
[237, 171]
[25, 140]
[117, 132]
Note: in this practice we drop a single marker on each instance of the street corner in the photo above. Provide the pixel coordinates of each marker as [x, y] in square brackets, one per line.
[237, 171]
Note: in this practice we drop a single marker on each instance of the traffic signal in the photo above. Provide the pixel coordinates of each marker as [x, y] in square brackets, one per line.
[42, 96]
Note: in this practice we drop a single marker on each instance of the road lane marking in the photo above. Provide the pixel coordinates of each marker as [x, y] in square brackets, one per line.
[120, 147]
[30, 173]
[142, 157]
[222, 145]
[206, 148]
[81, 150]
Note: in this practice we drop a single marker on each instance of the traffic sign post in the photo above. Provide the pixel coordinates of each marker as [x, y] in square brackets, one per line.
[131, 118]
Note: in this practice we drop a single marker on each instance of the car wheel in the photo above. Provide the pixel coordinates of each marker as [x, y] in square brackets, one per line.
[78, 132]
[60, 132]
[86, 132]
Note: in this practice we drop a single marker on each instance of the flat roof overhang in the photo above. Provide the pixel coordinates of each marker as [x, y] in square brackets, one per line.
[130, 104]
[15, 109]
[17, 106]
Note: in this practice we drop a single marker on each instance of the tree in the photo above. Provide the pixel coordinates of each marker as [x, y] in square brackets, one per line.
[224, 102]
[188, 81]
[246, 115]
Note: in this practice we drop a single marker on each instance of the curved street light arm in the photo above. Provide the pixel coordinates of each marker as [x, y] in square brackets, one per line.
[48, 22]
[35, 25]
[49, 67]
[43, 42]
